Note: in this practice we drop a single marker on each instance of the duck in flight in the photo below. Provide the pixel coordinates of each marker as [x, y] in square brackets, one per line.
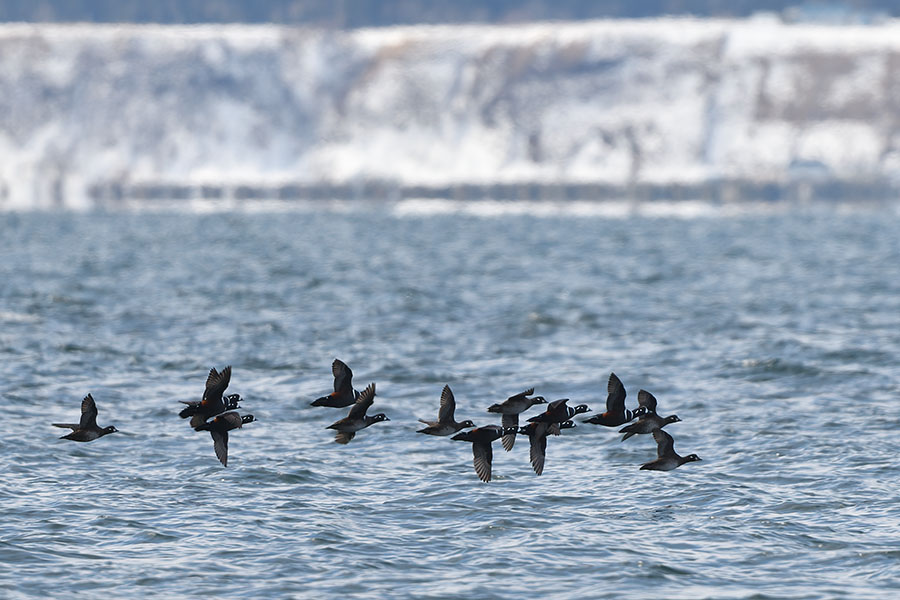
[446, 423]
[616, 414]
[213, 402]
[667, 458]
[357, 418]
[558, 412]
[537, 435]
[649, 422]
[219, 427]
[481, 438]
[510, 409]
[87, 429]
[343, 395]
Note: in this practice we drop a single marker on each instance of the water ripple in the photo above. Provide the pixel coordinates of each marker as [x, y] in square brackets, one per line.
[774, 345]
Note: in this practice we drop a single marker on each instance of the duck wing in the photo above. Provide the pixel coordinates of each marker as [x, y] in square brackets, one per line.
[538, 450]
[448, 406]
[88, 413]
[220, 444]
[343, 376]
[520, 397]
[359, 408]
[509, 439]
[615, 398]
[215, 386]
[647, 400]
[483, 455]
[665, 445]
[344, 437]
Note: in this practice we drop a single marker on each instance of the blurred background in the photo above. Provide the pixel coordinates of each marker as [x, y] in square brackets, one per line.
[105, 102]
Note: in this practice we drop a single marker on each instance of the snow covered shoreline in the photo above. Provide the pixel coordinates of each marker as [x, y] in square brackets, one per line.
[98, 110]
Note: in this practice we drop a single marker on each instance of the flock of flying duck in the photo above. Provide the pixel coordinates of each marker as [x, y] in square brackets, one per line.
[216, 413]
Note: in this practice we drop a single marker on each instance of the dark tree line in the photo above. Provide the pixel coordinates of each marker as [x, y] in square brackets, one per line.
[371, 13]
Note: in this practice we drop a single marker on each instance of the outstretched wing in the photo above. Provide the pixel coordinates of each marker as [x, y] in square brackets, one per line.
[215, 385]
[665, 445]
[615, 398]
[483, 456]
[538, 451]
[220, 443]
[556, 404]
[362, 404]
[88, 413]
[344, 437]
[448, 406]
[521, 396]
[343, 376]
[509, 440]
[647, 400]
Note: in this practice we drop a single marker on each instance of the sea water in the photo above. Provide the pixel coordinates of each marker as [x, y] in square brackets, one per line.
[773, 332]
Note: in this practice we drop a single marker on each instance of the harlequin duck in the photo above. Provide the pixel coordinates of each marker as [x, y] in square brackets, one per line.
[510, 409]
[446, 423]
[231, 403]
[557, 412]
[357, 419]
[212, 403]
[86, 430]
[219, 427]
[665, 450]
[481, 439]
[343, 395]
[537, 435]
[616, 414]
[651, 421]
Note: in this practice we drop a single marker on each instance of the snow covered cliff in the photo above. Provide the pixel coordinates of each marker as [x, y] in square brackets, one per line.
[86, 108]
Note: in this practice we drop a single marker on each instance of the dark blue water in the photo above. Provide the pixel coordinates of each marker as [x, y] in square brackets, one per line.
[774, 334]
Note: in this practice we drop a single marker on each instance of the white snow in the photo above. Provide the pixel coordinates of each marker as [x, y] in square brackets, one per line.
[612, 102]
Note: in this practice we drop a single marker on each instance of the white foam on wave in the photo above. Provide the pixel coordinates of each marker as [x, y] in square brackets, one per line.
[15, 317]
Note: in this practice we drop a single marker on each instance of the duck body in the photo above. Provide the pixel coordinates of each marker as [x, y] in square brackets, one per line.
[86, 430]
[219, 427]
[558, 412]
[647, 424]
[193, 406]
[357, 418]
